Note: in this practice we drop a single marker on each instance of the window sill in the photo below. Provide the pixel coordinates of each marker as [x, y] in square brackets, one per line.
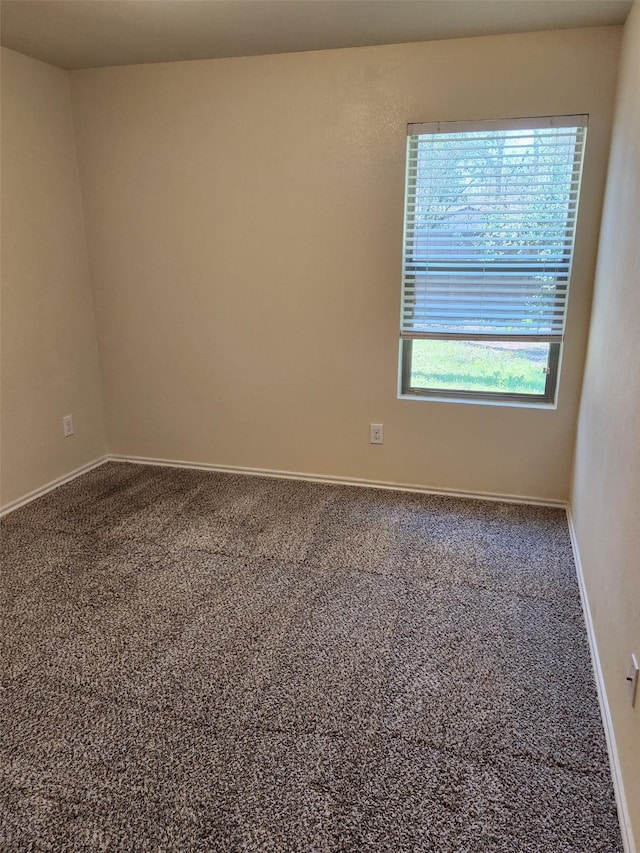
[512, 404]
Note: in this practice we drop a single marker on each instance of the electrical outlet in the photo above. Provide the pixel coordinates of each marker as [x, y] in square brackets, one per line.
[632, 679]
[67, 425]
[376, 434]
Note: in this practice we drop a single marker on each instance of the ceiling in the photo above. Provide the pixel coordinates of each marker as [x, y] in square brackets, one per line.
[91, 33]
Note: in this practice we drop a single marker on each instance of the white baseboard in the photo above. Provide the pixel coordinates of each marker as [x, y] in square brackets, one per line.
[616, 772]
[59, 481]
[283, 475]
[341, 481]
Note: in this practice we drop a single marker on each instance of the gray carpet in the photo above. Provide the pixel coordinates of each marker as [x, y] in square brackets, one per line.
[195, 661]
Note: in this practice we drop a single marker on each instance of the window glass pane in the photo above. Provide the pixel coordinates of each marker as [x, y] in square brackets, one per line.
[500, 367]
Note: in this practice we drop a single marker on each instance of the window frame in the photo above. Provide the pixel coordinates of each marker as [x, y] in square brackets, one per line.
[546, 398]
[549, 397]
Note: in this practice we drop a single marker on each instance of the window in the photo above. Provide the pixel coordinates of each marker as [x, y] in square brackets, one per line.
[490, 217]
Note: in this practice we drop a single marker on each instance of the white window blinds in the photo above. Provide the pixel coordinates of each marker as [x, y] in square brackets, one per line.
[490, 220]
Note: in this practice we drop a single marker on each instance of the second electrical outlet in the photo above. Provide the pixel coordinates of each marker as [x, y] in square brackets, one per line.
[376, 434]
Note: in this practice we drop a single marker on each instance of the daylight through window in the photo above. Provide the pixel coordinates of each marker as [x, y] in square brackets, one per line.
[490, 220]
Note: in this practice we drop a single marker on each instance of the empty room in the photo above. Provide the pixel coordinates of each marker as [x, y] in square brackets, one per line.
[320, 426]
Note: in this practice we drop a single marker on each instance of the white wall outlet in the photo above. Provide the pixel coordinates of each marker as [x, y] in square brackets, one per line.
[376, 434]
[632, 679]
[67, 425]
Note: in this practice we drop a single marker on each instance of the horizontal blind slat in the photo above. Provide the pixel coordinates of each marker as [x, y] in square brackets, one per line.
[481, 336]
[498, 125]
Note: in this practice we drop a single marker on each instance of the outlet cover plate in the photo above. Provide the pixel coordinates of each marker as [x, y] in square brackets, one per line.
[376, 434]
[632, 679]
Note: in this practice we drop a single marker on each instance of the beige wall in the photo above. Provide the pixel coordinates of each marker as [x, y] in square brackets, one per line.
[244, 222]
[49, 350]
[606, 481]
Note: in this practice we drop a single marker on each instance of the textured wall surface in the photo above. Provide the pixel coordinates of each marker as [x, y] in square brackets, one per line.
[244, 221]
[606, 484]
[49, 349]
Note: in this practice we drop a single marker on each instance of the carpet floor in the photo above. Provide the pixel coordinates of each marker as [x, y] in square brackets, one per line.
[195, 661]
